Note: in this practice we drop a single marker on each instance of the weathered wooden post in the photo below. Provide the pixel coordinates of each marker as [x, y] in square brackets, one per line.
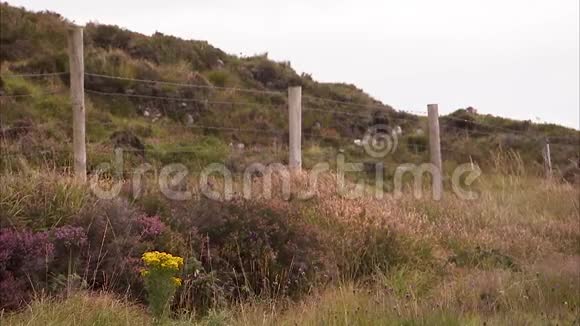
[547, 159]
[77, 95]
[295, 127]
[435, 149]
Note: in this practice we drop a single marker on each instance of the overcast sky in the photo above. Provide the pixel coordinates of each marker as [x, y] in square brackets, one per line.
[514, 58]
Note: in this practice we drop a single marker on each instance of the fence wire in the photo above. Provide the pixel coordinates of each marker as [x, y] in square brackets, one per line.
[350, 110]
[33, 75]
[168, 83]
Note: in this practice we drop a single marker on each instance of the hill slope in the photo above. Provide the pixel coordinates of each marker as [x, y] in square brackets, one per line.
[511, 256]
[160, 117]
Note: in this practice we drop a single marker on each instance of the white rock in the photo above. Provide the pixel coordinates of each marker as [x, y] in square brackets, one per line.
[398, 131]
[189, 119]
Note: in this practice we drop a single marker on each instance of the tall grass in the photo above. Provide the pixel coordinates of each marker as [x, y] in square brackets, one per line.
[512, 255]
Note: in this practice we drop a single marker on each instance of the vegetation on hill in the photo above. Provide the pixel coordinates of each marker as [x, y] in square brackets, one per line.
[36, 43]
[70, 257]
[512, 255]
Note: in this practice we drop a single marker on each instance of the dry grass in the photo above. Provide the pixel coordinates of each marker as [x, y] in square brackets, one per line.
[79, 309]
[511, 256]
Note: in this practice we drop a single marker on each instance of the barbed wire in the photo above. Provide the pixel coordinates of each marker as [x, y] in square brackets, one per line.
[313, 135]
[168, 83]
[31, 94]
[369, 106]
[457, 151]
[336, 112]
[472, 132]
[577, 146]
[8, 129]
[112, 151]
[362, 115]
[421, 113]
[182, 99]
[559, 139]
[523, 133]
[36, 152]
[273, 132]
[47, 74]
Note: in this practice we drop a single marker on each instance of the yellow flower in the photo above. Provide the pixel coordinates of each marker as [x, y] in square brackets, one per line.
[162, 260]
[176, 281]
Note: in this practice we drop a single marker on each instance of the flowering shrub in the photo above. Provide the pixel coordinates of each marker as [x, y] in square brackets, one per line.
[70, 236]
[253, 249]
[114, 245]
[151, 226]
[23, 254]
[160, 280]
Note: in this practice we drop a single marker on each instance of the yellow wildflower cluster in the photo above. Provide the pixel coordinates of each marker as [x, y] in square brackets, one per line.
[156, 259]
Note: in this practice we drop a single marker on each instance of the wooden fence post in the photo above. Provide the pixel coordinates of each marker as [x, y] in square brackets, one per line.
[435, 149]
[295, 127]
[77, 95]
[547, 159]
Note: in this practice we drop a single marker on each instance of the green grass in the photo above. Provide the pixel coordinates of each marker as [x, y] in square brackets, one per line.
[510, 257]
[40, 202]
[79, 309]
[494, 298]
[502, 259]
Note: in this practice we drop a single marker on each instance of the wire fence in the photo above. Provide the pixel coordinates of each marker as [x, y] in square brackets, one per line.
[169, 83]
[33, 75]
[183, 99]
[311, 105]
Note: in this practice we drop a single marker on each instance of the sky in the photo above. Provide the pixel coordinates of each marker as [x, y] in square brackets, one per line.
[512, 58]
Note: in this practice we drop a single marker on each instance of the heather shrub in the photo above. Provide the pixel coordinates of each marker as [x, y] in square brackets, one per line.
[153, 204]
[254, 248]
[460, 120]
[117, 234]
[24, 260]
[69, 243]
[150, 227]
[106, 36]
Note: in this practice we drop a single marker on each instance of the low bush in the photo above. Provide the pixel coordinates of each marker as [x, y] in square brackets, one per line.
[12, 85]
[24, 260]
[256, 249]
[483, 259]
[218, 78]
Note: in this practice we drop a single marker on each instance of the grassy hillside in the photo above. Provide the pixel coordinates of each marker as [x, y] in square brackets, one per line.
[511, 256]
[167, 117]
[70, 257]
